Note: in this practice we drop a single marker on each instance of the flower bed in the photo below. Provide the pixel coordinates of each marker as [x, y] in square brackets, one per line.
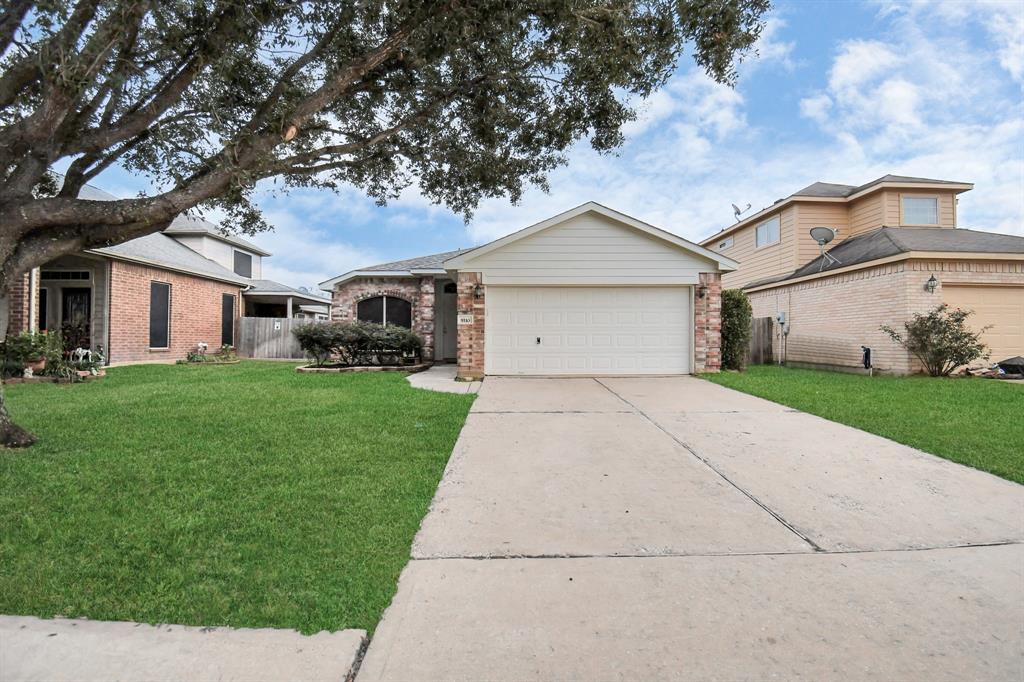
[225, 355]
[336, 369]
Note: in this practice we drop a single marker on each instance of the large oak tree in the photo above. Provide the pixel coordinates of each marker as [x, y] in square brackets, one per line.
[467, 99]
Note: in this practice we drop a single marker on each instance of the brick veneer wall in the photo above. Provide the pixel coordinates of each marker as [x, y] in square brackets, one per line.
[830, 318]
[195, 312]
[707, 324]
[419, 291]
[471, 336]
[19, 306]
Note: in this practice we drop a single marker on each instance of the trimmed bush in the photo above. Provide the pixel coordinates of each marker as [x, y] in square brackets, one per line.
[940, 339]
[357, 343]
[736, 316]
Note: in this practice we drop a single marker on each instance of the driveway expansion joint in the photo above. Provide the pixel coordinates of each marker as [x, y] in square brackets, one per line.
[688, 448]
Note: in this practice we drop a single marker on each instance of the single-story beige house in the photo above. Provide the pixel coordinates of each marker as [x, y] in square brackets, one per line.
[895, 249]
[589, 292]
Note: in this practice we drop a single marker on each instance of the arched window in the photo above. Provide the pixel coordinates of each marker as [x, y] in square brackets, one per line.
[451, 288]
[385, 310]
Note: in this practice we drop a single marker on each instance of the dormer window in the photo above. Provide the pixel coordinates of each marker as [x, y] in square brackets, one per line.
[768, 232]
[920, 211]
[243, 264]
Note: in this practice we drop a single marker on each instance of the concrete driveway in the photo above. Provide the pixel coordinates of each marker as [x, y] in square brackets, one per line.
[669, 528]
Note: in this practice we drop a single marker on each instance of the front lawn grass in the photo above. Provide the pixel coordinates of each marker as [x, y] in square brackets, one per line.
[245, 495]
[973, 421]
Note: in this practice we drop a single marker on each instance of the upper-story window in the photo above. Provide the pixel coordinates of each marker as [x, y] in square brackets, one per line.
[725, 244]
[768, 232]
[920, 211]
[243, 264]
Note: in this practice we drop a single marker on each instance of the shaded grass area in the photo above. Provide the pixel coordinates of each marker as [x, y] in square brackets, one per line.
[973, 421]
[245, 495]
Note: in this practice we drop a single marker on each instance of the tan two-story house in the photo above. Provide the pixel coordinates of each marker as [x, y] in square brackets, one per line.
[895, 248]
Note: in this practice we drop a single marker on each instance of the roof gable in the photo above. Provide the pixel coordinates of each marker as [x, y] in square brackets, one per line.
[473, 257]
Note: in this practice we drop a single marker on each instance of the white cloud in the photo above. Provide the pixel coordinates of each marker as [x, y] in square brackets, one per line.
[771, 48]
[816, 107]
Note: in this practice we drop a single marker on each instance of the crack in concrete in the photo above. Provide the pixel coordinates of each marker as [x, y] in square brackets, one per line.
[680, 555]
[778, 517]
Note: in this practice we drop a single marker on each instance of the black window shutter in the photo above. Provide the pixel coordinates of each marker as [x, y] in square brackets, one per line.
[243, 264]
[227, 320]
[159, 314]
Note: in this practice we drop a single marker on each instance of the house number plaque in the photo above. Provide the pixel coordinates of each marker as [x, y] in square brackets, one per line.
[465, 319]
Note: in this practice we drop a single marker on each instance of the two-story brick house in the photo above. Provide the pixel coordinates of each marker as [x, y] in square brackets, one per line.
[897, 249]
[154, 298]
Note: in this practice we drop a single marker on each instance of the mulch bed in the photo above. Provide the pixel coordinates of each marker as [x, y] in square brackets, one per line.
[338, 369]
[85, 376]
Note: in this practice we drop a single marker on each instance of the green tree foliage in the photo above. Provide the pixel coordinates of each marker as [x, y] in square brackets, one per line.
[736, 316]
[941, 340]
[464, 100]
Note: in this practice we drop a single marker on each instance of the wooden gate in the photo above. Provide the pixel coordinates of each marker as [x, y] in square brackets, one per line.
[759, 351]
[269, 337]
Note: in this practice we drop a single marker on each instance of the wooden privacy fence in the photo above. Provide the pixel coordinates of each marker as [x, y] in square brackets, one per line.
[269, 337]
[759, 351]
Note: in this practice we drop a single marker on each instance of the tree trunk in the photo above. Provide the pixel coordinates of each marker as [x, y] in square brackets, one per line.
[11, 435]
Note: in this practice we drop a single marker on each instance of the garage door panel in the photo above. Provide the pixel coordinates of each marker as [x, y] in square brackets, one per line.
[999, 307]
[588, 330]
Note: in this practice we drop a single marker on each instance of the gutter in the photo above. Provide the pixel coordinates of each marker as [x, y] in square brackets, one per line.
[908, 255]
[164, 266]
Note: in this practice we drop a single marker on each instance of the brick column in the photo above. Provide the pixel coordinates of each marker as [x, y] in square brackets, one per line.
[20, 306]
[707, 324]
[424, 311]
[470, 336]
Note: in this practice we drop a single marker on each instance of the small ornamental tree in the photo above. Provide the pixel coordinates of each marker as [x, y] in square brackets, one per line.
[736, 315]
[941, 339]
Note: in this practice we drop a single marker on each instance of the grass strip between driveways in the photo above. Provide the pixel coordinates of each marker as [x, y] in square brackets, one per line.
[973, 421]
[245, 495]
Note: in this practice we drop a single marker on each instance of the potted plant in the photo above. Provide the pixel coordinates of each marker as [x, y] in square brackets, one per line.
[31, 348]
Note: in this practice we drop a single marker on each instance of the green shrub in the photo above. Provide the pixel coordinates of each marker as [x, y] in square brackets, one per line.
[357, 343]
[736, 316]
[941, 339]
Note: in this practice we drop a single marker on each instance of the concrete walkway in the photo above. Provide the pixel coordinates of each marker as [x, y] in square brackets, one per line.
[36, 650]
[442, 378]
[669, 528]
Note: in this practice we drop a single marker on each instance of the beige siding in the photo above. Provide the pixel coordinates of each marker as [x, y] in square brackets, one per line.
[810, 215]
[867, 213]
[590, 249]
[759, 263]
[894, 214]
[830, 318]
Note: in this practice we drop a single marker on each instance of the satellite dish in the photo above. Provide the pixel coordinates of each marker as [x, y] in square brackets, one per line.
[823, 235]
[737, 211]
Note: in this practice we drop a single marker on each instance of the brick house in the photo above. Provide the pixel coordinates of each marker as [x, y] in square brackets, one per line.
[153, 299]
[895, 249]
[589, 292]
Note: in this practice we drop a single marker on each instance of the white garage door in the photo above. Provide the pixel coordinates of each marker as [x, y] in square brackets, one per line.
[588, 330]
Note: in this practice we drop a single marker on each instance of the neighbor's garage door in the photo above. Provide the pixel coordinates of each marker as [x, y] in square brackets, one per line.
[1001, 307]
[588, 330]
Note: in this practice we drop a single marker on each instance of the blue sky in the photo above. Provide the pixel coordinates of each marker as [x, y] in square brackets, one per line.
[840, 92]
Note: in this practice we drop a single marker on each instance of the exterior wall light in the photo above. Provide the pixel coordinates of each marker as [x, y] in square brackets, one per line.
[931, 285]
[478, 291]
[702, 291]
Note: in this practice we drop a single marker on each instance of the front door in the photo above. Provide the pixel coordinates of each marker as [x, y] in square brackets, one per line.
[449, 316]
[76, 314]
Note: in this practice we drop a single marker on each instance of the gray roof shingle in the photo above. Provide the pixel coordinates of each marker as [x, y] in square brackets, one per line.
[833, 190]
[433, 261]
[161, 250]
[891, 241]
[272, 288]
